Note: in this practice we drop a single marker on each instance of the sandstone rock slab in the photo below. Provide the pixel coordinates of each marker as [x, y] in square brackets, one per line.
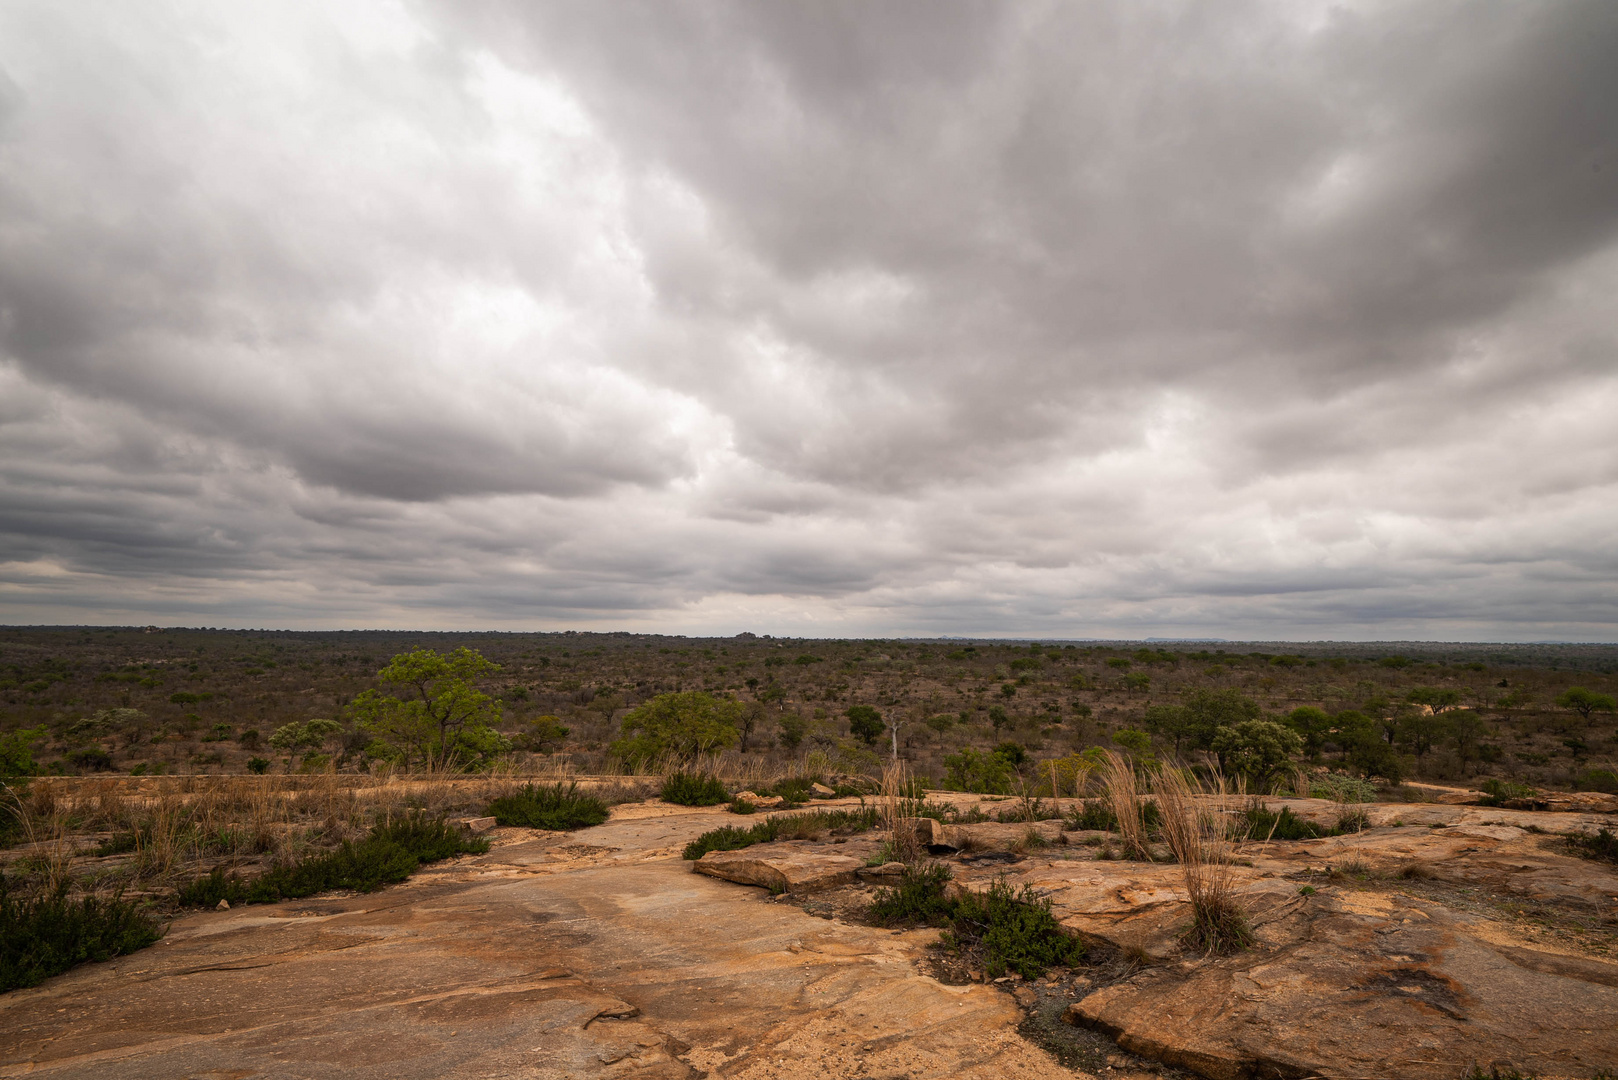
[778, 869]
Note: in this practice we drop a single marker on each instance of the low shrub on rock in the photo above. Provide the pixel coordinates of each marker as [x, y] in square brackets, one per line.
[45, 934]
[388, 855]
[553, 806]
[781, 827]
[694, 789]
[1602, 845]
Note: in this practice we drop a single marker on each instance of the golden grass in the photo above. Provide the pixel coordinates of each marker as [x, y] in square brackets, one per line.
[1123, 795]
[1195, 824]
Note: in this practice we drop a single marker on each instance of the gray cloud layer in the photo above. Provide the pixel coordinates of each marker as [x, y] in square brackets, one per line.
[1268, 319]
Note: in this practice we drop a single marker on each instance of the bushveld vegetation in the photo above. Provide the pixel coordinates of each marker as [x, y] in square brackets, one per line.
[274, 758]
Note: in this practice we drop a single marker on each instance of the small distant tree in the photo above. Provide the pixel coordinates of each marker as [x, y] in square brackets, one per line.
[17, 751]
[1314, 727]
[865, 722]
[1584, 702]
[308, 736]
[793, 729]
[436, 715]
[998, 717]
[680, 725]
[1206, 711]
[1436, 698]
[542, 734]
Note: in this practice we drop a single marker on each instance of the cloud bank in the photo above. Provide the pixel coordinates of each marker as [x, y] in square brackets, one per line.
[1274, 320]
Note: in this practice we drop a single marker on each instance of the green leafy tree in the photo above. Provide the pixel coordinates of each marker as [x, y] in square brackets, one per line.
[1206, 711]
[1584, 702]
[308, 736]
[436, 715]
[865, 722]
[793, 729]
[1437, 698]
[970, 770]
[1256, 749]
[542, 734]
[1420, 731]
[1168, 721]
[680, 726]
[998, 717]
[1138, 744]
[17, 751]
[1314, 726]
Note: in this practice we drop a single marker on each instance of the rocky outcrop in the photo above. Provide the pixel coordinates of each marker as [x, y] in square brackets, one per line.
[779, 869]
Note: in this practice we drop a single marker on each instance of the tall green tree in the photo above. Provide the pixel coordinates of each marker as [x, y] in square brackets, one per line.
[1206, 711]
[434, 713]
[865, 722]
[678, 726]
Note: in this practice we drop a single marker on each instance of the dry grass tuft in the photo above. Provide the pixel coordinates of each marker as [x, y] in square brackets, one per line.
[1196, 829]
[1123, 798]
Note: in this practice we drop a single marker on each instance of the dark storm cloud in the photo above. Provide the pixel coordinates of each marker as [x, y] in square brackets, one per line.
[1262, 319]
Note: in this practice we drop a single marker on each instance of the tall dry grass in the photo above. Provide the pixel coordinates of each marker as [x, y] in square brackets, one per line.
[1123, 796]
[1196, 826]
[896, 803]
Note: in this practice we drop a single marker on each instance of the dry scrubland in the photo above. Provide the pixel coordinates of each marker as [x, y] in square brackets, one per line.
[1173, 852]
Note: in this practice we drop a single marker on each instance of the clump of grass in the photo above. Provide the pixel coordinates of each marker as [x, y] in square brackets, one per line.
[694, 789]
[781, 827]
[1197, 836]
[1124, 800]
[549, 806]
[1602, 845]
[1259, 822]
[389, 854]
[47, 933]
[742, 806]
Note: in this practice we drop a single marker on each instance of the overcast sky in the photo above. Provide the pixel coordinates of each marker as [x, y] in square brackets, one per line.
[1278, 320]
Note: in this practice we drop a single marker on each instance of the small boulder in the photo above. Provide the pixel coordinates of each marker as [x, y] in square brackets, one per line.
[823, 791]
[779, 870]
[759, 802]
[476, 825]
[223, 905]
[931, 834]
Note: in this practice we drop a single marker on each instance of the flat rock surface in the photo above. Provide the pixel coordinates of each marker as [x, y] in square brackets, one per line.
[590, 954]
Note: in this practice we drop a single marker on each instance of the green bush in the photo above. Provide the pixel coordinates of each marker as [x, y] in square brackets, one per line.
[1259, 822]
[918, 898]
[782, 826]
[742, 806]
[1602, 845]
[1599, 780]
[1016, 931]
[389, 854]
[969, 770]
[1341, 788]
[1507, 793]
[694, 789]
[1091, 815]
[540, 806]
[46, 934]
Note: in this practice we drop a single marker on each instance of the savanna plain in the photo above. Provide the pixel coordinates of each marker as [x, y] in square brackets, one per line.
[284, 854]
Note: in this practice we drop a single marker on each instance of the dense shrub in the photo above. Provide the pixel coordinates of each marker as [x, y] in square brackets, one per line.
[1341, 788]
[1509, 793]
[780, 827]
[693, 789]
[45, 934]
[1599, 780]
[1259, 822]
[918, 898]
[1602, 845]
[388, 855]
[540, 806]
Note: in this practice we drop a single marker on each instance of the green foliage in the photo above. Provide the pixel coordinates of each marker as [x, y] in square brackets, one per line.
[781, 826]
[1507, 793]
[1011, 754]
[1601, 845]
[1258, 822]
[693, 789]
[552, 806]
[1256, 749]
[793, 729]
[1434, 697]
[917, 898]
[258, 765]
[1206, 711]
[17, 751]
[1092, 815]
[308, 736]
[389, 854]
[1599, 780]
[542, 734]
[1015, 930]
[46, 934]
[680, 726]
[865, 722]
[1314, 726]
[1342, 788]
[436, 717]
[971, 770]
[1584, 702]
